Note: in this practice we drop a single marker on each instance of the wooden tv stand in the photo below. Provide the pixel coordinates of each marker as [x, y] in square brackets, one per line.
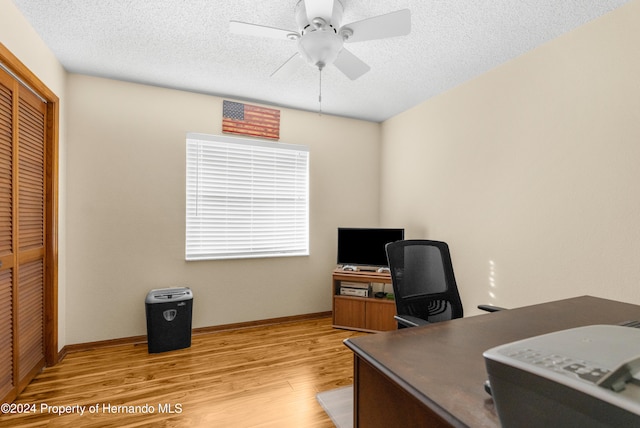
[362, 313]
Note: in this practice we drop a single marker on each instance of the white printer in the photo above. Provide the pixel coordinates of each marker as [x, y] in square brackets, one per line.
[582, 377]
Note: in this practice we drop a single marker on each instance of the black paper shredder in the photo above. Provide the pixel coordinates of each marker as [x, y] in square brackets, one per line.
[168, 319]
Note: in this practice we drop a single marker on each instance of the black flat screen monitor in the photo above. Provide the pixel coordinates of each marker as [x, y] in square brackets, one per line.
[365, 247]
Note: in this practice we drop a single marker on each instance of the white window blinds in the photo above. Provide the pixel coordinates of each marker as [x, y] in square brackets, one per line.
[246, 198]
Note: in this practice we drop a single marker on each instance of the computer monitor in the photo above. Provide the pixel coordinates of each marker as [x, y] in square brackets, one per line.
[365, 246]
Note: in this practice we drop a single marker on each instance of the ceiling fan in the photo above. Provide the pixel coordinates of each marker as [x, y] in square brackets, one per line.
[320, 36]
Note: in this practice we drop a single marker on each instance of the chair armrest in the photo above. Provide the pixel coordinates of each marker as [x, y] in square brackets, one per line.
[491, 308]
[410, 321]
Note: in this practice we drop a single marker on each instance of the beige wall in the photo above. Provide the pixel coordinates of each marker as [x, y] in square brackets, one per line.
[126, 203]
[530, 171]
[22, 41]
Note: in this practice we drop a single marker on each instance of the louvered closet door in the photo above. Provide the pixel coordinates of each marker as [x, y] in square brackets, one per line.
[30, 269]
[22, 184]
[6, 235]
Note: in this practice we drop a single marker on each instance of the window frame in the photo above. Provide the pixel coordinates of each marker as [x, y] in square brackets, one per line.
[245, 198]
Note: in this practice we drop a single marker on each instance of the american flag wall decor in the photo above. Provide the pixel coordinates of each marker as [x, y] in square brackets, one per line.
[245, 119]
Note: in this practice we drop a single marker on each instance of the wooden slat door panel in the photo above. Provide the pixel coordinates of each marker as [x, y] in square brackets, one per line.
[31, 128]
[7, 241]
[30, 319]
[6, 166]
[30, 231]
[6, 332]
[22, 236]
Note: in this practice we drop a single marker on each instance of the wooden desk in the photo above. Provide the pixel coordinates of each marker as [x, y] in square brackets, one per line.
[433, 376]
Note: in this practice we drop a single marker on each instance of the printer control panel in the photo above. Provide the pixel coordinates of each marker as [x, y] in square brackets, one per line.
[583, 369]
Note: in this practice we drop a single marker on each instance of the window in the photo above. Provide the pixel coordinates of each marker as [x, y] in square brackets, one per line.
[246, 198]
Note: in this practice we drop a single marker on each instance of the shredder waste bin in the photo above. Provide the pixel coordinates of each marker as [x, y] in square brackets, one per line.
[168, 319]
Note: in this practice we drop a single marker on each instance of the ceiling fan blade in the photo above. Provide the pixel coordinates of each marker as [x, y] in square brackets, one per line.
[247, 29]
[290, 66]
[319, 9]
[392, 24]
[352, 66]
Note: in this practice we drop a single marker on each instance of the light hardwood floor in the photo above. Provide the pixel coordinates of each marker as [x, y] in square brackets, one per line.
[256, 377]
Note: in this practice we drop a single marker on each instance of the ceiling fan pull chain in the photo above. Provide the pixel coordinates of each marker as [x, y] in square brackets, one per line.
[320, 92]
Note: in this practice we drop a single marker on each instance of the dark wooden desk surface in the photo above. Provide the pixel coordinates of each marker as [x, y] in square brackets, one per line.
[441, 367]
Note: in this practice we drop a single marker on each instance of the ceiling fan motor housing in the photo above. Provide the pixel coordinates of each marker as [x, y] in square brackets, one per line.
[319, 43]
[305, 21]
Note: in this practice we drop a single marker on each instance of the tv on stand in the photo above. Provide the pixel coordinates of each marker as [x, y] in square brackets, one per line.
[364, 248]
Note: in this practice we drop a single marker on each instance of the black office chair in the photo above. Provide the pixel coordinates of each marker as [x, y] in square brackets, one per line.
[423, 283]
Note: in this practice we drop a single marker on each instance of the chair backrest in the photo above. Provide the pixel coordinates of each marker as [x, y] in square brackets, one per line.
[423, 281]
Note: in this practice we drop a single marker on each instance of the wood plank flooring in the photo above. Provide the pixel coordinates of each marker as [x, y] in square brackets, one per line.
[256, 377]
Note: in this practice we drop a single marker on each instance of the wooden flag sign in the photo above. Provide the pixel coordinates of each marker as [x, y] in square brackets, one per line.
[245, 119]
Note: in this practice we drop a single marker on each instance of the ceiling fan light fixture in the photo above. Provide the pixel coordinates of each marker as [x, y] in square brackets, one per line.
[320, 47]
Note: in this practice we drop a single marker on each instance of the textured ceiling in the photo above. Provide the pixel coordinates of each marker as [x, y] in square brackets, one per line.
[187, 45]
